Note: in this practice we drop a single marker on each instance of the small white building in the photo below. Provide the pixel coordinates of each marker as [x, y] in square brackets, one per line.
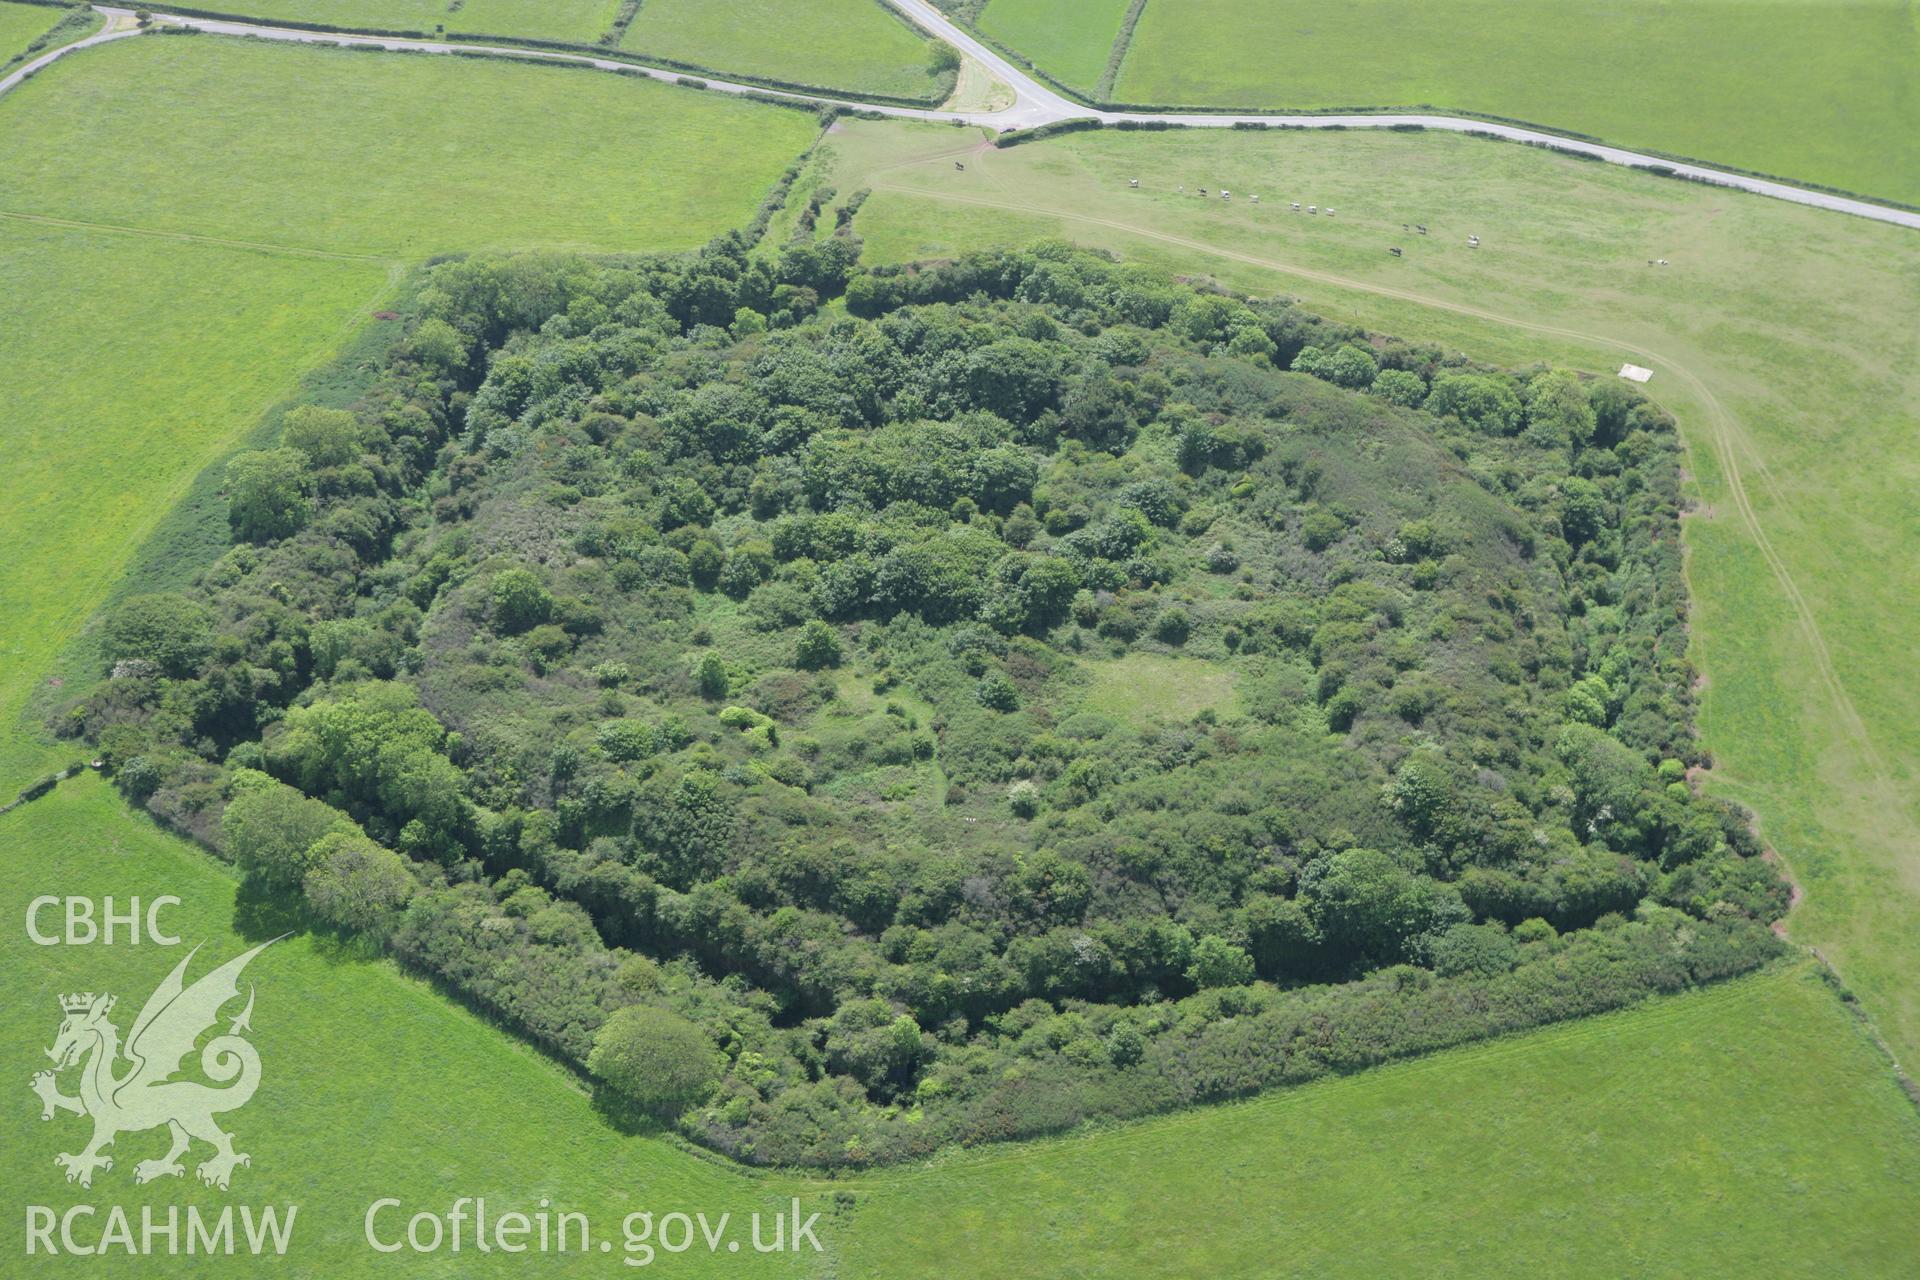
[1634, 373]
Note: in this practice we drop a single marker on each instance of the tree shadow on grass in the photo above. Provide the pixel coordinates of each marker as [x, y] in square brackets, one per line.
[623, 1115]
[260, 913]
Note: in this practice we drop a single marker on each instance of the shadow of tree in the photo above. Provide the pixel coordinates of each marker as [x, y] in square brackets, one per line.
[623, 1115]
[260, 913]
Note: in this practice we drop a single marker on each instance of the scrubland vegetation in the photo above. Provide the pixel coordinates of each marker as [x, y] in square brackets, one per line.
[796, 860]
[1797, 430]
[550, 633]
[209, 290]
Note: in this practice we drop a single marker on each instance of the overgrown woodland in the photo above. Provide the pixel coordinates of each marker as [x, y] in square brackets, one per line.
[1026, 689]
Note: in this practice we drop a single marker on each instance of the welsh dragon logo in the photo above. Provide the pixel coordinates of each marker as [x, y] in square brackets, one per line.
[145, 1095]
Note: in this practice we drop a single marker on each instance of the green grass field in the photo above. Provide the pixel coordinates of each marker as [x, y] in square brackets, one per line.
[401, 156]
[1144, 686]
[114, 405]
[836, 44]
[1748, 1129]
[372, 1085]
[1816, 90]
[579, 21]
[1745, 1130]
[225, 289]
[1786, 340]
[1068, 39]
[21, 25]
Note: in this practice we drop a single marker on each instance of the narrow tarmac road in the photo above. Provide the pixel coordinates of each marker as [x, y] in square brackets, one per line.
[1034, 104]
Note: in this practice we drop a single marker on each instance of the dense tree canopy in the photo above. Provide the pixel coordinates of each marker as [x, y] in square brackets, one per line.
[267, 494]
[655, 1059]
[1044, 690]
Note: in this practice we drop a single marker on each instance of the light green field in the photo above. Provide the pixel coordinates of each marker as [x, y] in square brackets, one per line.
[1745, 1130]
[371, 1084]
[1145, 686]
[1748, 1129]
[1068, 39]
[1816, 90]
[1786, 340]
[225, 288]
[402, 156]
[113, 406]
[21, 25]
[579, 21]
[835, 44]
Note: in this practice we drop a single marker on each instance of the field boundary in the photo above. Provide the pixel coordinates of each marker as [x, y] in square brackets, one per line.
[622, 19]
[1036, 110]
[1122, 42]
[923, 36]
[1110, 105]
[636, 57]
[13, 75]
[1517, 123]
[79, 17]
[1851, 1003]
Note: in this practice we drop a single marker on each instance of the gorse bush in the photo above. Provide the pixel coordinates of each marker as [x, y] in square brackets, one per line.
[773, 717]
